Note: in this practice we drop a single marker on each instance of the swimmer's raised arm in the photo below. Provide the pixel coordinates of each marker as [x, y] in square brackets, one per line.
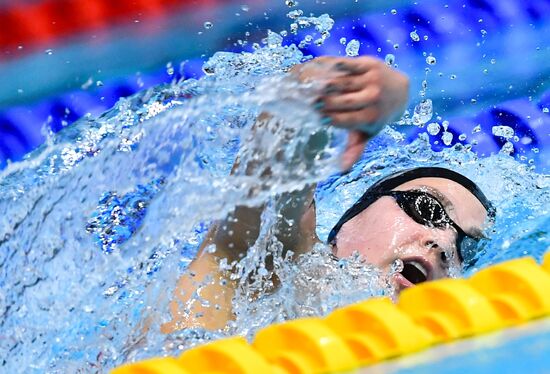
[363, 98]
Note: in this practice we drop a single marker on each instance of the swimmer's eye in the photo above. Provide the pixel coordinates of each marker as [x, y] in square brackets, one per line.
[422, 208]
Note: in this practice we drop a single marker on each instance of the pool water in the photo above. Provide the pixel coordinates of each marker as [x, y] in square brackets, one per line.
[518, 349]
[97, 225]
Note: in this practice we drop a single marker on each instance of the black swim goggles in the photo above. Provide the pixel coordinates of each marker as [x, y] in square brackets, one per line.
[427, 210]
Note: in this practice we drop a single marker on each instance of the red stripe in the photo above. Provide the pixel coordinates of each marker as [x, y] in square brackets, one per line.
[41, 24]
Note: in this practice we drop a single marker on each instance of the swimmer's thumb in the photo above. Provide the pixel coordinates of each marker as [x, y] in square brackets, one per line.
[357, 140]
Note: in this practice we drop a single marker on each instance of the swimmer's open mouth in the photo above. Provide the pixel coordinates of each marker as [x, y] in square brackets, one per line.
[416, 270]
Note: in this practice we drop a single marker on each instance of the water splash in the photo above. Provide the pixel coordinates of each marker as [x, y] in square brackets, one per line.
[146, 177]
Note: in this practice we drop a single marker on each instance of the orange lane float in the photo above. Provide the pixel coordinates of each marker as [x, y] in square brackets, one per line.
[358, 335]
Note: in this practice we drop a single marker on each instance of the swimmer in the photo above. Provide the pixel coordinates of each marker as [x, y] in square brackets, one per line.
[430, 218]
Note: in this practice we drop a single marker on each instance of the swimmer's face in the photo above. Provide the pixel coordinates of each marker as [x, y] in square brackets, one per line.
[383, 232]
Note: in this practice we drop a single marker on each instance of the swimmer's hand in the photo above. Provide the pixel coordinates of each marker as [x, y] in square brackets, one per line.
[360, 94]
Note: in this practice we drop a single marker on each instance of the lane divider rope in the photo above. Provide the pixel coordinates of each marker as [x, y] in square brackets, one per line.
[432, 313]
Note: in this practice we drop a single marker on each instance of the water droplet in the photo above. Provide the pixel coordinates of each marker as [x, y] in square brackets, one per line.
[389, 59]
[169, 68]
[397, 266]
[462, 137]
[493, 61]
[273, 39]
[423, 112]
[425, 37]
[433, 128]
[447, 138]
[99, 84]
[352, 48]
[485, 71]
[87, 84]
[476, 129]
[291, 3]
[208, 25]
[245, 8]
[49, 51]
[396, 46]
[507, 148]
[430, 60]
[453, 77]
[20, 47]
[545, 110]
[343, 41]
[378, 49]
[505, 131]
[473, 101]
[414, 36]
[394, 11]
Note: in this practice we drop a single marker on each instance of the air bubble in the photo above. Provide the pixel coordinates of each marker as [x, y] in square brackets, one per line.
[245, 8]
[462, 137]
[291, 3]
[394, 11]
[430, 60]
[49, 51]
[414, 36]
[343, 41]
[208, 25]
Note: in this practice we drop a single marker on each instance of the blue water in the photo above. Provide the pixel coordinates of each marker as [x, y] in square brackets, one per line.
[97, 225]
[516, 350]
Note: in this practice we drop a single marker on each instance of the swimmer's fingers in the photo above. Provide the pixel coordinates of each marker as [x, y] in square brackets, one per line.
[353, 83]
[353, 66]
[352, 101]
[366, 119]
[328, 68]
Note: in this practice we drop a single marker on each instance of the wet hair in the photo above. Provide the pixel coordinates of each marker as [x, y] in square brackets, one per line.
[394, 180]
